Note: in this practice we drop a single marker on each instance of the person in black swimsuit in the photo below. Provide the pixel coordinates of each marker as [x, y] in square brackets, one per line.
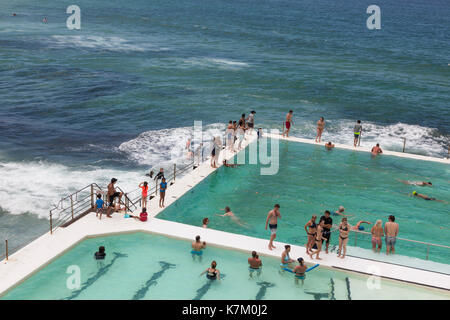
[212, 273]
[311, 233]
[327, 224]
[344, 230]
[100, 254]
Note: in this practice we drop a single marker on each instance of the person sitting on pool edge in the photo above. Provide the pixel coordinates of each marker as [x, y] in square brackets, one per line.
[255, 264]
[300, 271]
[329, 146]
[285, 259]
[197, 248]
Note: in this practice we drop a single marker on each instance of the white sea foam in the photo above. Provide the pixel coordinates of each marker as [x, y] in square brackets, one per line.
[419, 139]
[99, 42]
[215, 63]
[159, 147]
[36, 186]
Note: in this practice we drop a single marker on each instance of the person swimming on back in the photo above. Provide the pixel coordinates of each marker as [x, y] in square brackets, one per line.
[212, 273]
[300, 271]
[197, 247]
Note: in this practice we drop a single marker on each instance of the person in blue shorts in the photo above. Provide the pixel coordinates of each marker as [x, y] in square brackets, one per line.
[162, 192]
[99, 206]
[197, 248]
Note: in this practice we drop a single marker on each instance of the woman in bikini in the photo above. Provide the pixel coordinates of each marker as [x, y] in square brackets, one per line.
[320, 127]
[318, 240]
[311, 224]
[377, 232]
[344, 230]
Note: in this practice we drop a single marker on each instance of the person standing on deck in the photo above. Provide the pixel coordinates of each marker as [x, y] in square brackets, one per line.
[162, 192]
[160, 175]
[357, 132]
[311, 233]
[288, 123]
[251, 121]
[391, 230]
[327, 225]
[377, 233]
[229, 134]
[272, 220]
[144, 187]
[320, 128]
[111, 195]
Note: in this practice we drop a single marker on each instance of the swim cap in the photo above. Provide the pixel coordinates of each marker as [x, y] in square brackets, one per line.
[361, 228]
[414, 192]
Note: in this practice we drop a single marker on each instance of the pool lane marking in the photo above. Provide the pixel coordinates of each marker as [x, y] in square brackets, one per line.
[332, 289]
[152, 281]
[263, 289]
[205, 288]
[102, 271]
[349, 295]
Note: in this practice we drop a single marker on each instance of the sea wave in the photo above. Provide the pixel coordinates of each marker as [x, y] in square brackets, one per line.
[100, 42]
[221, 63]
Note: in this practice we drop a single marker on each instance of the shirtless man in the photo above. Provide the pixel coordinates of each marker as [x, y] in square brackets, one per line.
[272, 219]
[329, 146]
[229, 213]
[111, 195]
[255, 264]
[376, 150]
[288, 123]
[197, 247]
[391, 231]
[229, 165]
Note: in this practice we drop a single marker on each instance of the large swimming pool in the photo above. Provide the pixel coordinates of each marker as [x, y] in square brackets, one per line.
[310, 180]
[146, 266]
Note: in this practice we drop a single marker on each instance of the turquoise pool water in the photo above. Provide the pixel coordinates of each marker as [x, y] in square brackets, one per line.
[145, 266]
[310, 180]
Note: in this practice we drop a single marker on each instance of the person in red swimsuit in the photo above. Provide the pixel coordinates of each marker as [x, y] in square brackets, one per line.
[144, 187]
[288, 123]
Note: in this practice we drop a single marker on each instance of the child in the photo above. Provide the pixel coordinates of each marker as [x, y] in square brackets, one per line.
[144, 187]
[162, 192]
[99, 206]
[205, 222]
[143, 215]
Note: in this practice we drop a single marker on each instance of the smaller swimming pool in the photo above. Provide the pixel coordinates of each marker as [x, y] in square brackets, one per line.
[146, 266]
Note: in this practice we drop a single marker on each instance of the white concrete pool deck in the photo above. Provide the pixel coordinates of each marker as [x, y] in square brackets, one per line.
[36, 255]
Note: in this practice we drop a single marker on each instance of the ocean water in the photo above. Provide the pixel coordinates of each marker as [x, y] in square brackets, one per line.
[119, 96]
[156, 274]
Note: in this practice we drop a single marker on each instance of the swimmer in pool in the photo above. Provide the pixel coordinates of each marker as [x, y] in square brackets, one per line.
[340, 212]
[417, 183]
[197, 248]
[205, 222]
[255, 264]
[229, 165]
[358, 226]
[376, 150]
[419, 195]
[229, 213]
[329, 146]
[300, 271]
[212, 273]
[286, 260]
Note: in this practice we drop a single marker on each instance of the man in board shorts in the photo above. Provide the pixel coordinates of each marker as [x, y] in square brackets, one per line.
[357, 132]
[391, 232]
[288, 123]
[272, 220]
[327, 225]
[112, 194]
